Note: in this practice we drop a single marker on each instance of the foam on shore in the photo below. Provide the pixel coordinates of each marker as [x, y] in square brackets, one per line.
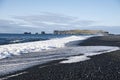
[73, 54]
[17, 49]
[88, 51]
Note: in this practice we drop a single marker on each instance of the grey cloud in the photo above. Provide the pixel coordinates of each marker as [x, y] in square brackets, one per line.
[45, 21]
[51, 17]
[48, 17]
[5, 22]
[54, 20]
[7, 27]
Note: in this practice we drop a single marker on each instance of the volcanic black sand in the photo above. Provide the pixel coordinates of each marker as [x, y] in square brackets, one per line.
[99, 67]
[102, 40]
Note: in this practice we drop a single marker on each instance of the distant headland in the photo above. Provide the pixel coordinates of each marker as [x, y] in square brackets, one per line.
[81, 32]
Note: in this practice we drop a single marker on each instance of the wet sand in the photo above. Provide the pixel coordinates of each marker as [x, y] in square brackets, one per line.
[99, 67]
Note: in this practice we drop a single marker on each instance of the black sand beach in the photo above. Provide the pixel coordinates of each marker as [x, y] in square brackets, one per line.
[99, 67]
[102, 41]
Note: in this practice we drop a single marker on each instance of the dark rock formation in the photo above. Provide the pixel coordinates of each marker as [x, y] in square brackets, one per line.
[36, 33]
[27, 32]
[43, 32]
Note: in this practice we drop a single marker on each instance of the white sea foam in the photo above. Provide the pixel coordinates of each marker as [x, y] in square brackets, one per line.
[89, 51]
[75, 59]
[22, 62]
[17, 49]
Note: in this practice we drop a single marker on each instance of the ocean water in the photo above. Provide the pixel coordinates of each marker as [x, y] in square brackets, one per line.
[21, 38]
[17, 44]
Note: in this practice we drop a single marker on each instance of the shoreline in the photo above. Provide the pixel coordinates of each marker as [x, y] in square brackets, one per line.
[112, 40]
[99, 67]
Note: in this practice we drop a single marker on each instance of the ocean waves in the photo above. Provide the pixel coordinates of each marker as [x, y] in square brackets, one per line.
[20, 48]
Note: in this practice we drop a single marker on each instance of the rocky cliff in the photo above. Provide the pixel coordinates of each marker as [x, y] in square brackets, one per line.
[81, 32]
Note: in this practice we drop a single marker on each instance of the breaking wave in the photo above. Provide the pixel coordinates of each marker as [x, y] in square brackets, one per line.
[19, 48]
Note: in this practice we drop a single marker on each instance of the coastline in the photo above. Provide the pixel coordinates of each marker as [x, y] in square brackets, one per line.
[112, 40]
[99, 67]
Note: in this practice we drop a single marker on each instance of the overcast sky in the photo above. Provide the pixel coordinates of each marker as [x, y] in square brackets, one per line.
[18, 16]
